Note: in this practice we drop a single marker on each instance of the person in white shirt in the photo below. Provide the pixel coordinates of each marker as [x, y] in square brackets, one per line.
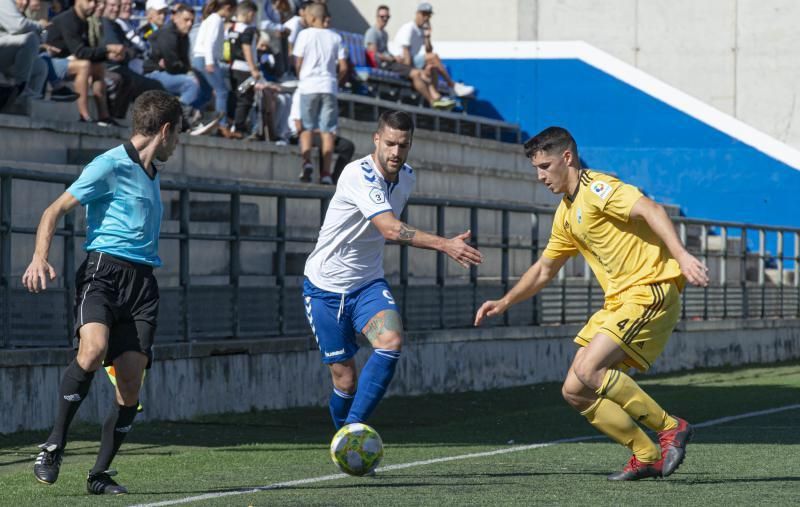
[207, 57]
[344, 291]
[413, 41]
[318, 51]
[295, 25]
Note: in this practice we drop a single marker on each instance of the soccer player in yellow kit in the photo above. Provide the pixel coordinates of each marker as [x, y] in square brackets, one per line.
[641, 264]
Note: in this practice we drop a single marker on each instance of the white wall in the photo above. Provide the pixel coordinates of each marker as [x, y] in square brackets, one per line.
[739, 56]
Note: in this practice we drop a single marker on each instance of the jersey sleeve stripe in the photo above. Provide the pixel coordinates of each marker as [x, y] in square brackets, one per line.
[378, 213]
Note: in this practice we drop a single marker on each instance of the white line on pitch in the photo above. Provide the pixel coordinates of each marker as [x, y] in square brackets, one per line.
[516, 448]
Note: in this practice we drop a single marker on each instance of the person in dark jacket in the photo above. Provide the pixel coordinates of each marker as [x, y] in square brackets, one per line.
[169, 61]
[68, 35]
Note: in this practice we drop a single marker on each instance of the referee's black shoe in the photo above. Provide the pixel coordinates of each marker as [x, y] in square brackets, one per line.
[48, 463]
[103, 484]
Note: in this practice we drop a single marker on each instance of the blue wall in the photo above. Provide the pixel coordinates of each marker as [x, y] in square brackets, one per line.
[675, 158]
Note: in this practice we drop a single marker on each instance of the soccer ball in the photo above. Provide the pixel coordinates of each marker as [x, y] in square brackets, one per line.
[357, 449]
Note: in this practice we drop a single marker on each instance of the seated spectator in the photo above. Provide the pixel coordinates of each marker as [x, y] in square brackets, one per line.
[132, 84]
[169, 64]
[246, 79]
[317, 52]
[376, 41]
[156, 17]
[68, 35]
[19, 47]
[207, 58]
[136, 62]
[413, 40]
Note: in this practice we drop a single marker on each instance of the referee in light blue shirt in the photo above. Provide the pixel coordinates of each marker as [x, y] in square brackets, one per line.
[116, 293]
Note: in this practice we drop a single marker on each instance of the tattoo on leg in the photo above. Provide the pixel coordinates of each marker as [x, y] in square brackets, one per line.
[406, 235]
[386, 321]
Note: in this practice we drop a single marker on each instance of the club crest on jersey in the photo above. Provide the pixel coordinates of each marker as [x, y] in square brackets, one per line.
[377, 196]
[579, 215]
[601, 188]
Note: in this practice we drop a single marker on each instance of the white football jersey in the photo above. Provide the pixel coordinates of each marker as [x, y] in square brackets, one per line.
[349, 250]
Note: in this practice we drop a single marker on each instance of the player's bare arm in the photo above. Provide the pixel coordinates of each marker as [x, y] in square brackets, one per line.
[534, 280]
[39, 270]
[653, 213]
[456, 247]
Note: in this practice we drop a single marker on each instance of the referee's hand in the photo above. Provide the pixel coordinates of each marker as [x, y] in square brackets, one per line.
[457, 249]
[35, 277]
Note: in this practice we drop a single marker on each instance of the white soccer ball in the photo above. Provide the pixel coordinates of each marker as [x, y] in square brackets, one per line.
[357, 449]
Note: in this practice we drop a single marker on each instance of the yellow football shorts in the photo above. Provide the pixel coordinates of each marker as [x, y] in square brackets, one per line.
[640, 319]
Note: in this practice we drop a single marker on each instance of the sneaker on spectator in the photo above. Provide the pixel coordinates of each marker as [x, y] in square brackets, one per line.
[305, 174]
[444, 103]
[107, 122]
[204, 128]
[462, 90]
[281, 142]
[255, 136]
[63, 94]
[326, 180]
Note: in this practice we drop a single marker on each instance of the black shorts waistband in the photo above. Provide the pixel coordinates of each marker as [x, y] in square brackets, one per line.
[144, 269]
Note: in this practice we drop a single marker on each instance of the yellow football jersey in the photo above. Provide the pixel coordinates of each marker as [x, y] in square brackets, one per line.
[596, 222]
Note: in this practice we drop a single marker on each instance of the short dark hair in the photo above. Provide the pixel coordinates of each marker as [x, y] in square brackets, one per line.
[549, 140]
[181, 7]
[398, 120]
[382, 7]
[153, 109]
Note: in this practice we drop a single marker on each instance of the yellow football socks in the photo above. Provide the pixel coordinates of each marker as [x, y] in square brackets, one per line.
[609, 418]
[625, 392]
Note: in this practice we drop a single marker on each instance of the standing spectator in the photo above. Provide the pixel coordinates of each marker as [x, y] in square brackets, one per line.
[414, 37]
[170, 65]
[19, 47]
[207, 57]
[295, 25]
[317, 52]
[156, 17]
[69, 36]
[275, 12]
[246, 78]
[376, 41]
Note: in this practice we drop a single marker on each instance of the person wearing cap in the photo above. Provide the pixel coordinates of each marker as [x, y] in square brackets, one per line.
[413, 41]
[156, 17]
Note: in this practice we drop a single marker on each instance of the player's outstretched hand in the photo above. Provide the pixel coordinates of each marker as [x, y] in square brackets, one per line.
[35, 277]
[695, 271]
[490, 309]
[457, 249]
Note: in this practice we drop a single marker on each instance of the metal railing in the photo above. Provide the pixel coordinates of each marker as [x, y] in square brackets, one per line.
[747, 283]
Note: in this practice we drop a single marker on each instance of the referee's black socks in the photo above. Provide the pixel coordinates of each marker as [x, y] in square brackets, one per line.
[73, 390]
[115, 429]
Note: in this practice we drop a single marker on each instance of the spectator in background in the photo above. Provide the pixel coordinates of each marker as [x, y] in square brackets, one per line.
[207, 57]
[156, 17]
[135, 63]
[170, 65]
[317, 53]
[69, 36]
[132, 84]
[413, 40]
[275, 13]
[19, 47]
[295, 25]
[376, 41]
[246, 79]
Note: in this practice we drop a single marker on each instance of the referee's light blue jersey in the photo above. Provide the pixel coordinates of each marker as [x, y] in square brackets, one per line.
[123, 206]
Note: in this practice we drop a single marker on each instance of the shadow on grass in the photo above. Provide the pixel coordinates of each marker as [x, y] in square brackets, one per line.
[520, 415]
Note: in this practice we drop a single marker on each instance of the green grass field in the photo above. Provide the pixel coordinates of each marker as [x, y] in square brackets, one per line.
[748, 460]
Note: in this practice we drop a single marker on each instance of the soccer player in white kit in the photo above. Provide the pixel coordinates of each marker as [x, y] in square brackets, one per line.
[344, 290]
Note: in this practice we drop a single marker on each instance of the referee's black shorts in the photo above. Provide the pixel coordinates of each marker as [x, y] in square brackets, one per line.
[121, 294]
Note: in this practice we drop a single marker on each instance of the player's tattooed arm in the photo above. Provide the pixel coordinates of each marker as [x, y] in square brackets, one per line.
[384, 322]
[406, 234]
